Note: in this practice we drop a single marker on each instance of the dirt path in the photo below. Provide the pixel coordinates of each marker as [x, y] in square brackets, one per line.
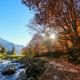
[61, 70]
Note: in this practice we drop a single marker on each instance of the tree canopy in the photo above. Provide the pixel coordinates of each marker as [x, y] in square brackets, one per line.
[63, 14]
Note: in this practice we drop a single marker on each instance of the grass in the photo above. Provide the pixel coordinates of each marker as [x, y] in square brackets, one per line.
[5, 56]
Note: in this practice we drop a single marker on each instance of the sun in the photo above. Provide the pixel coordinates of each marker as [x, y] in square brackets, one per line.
[53, 36]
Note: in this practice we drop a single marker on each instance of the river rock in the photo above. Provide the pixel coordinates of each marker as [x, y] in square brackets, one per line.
[8, 70]
[22, 76]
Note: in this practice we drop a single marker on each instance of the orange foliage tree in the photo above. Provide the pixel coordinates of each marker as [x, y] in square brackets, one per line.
[58, 13]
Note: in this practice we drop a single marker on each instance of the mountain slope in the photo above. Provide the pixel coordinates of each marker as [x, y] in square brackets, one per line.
[9, 45]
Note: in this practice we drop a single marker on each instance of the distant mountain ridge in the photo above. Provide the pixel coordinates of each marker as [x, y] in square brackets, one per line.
[9, 46]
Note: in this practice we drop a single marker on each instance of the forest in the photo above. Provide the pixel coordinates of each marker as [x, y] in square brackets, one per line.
[56, 40]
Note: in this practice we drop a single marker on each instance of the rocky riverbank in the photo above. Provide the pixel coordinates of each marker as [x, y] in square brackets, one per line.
[24, 69]
[34, 68]
[51, 69]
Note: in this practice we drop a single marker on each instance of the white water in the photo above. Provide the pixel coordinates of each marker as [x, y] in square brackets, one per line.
[16, 75]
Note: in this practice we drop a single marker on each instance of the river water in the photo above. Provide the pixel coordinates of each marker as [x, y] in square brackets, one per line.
[19, 72]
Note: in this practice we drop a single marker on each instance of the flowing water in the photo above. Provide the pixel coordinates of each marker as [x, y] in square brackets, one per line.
[16, 75]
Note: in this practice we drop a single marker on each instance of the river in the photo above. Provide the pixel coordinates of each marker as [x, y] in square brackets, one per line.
[19, 72]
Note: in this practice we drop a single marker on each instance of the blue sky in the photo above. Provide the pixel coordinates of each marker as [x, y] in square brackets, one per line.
[13, 19]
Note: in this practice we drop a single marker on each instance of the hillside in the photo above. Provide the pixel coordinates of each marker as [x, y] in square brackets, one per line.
[9, 46]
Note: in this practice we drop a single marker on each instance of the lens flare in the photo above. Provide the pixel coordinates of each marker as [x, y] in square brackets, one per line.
[53, 36]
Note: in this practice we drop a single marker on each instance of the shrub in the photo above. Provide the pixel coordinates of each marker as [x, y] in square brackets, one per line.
[74, 55]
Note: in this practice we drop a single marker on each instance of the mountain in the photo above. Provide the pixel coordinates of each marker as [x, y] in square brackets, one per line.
[9, 46]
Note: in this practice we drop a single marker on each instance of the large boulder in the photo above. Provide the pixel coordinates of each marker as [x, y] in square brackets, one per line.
[10, 69]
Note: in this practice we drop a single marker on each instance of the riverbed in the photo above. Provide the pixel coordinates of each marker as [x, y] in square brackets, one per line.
[19, 72]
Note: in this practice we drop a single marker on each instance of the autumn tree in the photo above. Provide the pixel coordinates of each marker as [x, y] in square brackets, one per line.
[36, 43]
[42, 35]
[28, 50]
[64, 14]
[36, 28]
[24, 51]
